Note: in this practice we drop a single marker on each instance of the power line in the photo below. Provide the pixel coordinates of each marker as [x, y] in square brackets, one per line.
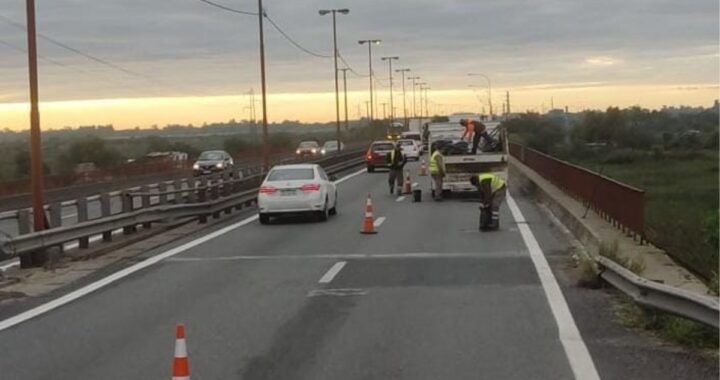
[220, 6]
[350, 68]
[292, 41]
[91, 57]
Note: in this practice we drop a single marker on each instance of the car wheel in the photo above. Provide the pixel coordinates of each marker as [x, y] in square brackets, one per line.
[333, 210]
[370, 169]
[264, 219]
[325, 213]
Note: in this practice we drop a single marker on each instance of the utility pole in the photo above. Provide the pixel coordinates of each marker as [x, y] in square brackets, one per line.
[36, 162]
[507, 101]
[489, 91]
[266, 139]
[334, 12]
[402, 73]
[390, 59]
[347, 124]
[420, 87]
[367, 111]
[427, 107]
[370, 43]
[384, 113]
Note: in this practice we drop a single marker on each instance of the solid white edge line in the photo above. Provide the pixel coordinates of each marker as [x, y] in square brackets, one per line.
[400, 198]
[85, 290]
[332, 272]
[379, 221]
[577, 353]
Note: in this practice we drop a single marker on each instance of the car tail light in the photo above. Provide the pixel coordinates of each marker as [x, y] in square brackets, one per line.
[268, 190]
[310, 187]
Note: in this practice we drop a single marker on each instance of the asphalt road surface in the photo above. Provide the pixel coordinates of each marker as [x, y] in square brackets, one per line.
[428, 297]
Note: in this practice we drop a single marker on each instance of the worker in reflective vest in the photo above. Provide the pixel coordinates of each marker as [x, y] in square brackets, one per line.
[437, 172]
[491, 187]
[396, 163]
[492, 191]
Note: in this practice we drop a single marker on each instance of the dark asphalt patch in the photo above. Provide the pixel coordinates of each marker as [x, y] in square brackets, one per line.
[294, 347]
[437, 272]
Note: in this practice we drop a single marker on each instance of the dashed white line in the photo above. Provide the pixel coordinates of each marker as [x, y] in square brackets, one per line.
[400, 198]
[332, 272]
[577, 353]
[379, 221]
[90, 288]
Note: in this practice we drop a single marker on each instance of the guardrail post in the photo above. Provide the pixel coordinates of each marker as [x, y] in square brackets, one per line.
[145, 200]
[55, 210]
[127, 206]
[105, 211]
[227, 182]
[82, 216]
[177, 186]
[192, 194]
[237, 176]
[23, 218]
[162, 190]
[214, 186]
[202, 190]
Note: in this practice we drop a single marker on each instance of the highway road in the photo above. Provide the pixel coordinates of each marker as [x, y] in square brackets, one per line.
[428, 297]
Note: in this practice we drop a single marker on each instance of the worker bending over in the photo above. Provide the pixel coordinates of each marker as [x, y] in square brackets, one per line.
[396, 163]
[437, 171]
[492, 191]
[475, 130]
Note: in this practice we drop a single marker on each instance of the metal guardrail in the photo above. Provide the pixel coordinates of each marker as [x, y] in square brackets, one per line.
[203, 198]
[703, 309]
[616, 202]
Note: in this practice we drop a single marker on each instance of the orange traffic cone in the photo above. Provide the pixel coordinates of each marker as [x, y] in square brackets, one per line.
[369, 222]
[181, 365]
[407, 186]
[423, 168]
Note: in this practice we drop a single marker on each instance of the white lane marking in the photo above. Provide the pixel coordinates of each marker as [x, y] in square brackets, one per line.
[414, 184]
[9, 265]
[400, 198]
[379, 221]
[72, 296]
[349, 176]
[349, 292]
[332, 272]
[577, 353]
[356, 256]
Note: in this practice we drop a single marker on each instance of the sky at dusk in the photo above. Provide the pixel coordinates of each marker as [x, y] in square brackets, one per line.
[183, 61]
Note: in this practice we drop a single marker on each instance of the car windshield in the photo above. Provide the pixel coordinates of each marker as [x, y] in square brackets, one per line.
[331, 144]
[210, 156]
[406, 142]
[308, 144]
[414, 136]
[382, 146]
[293, 174]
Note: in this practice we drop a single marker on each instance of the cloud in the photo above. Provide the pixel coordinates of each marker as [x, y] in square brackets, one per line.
[198, 49]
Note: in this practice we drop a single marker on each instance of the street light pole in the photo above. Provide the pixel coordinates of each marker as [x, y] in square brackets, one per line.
[427, 107]
[390, 59]
[413, 86]
[370, 43]
[402, 73]
[420, 87]
[266, 139]
[490, 107]
[36, 166]
[323, 12]
[347, 124]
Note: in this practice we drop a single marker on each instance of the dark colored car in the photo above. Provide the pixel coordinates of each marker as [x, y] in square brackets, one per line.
[212, 161]
[308, 148]
[377, 155]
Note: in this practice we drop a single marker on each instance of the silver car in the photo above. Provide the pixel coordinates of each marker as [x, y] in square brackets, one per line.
[297, 189]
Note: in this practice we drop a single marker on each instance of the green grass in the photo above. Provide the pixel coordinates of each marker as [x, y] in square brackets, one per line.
[687, 333]
[681, 195]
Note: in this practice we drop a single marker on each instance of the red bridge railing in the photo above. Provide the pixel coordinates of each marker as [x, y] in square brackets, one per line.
[616, 202]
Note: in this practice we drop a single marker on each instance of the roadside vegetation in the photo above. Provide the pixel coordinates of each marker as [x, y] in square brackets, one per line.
[106, 148]
[672, 154]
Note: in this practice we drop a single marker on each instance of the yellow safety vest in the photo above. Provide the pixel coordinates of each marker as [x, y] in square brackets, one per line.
[496, 182]
[434, 164]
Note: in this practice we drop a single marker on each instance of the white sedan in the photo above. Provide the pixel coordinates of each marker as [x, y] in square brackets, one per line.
[410, 149]
[297, 189]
